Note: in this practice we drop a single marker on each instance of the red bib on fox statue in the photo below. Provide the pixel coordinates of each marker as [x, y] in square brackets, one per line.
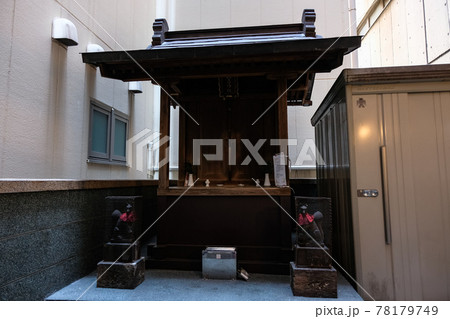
[123, 225]
[311, 235]
[305, 219]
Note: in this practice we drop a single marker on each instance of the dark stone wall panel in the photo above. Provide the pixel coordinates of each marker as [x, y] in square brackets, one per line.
[41, 284]
[49, 239]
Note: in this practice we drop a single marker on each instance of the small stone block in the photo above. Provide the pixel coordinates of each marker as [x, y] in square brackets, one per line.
[313, 282]
[314, 257]
[120, 275]
[112, 252]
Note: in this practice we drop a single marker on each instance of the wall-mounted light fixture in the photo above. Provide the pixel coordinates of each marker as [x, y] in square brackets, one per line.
[64, 31]
[92, 47]
[135, 87]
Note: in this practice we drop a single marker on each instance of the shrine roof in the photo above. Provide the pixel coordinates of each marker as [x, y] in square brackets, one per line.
[232, 40]
[274, 50]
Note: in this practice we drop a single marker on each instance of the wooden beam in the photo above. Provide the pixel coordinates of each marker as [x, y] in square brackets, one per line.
[181, 148]
[306, 99]
[164, 129]
[285, 221]
[282, 110]
[229, 191]
[283, 118]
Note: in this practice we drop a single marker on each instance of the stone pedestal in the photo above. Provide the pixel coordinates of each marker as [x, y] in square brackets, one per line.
[313, 282]
[312, 274]
[120, 252]
[120, 275]
[313, 257]
[129, 270]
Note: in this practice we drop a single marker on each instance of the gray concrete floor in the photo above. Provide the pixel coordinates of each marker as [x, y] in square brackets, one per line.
[175, 285]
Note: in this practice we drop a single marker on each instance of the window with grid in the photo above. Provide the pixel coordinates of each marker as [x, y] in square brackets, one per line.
[108, 134]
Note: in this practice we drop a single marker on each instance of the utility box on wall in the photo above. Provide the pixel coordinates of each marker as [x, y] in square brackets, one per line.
[384, 137]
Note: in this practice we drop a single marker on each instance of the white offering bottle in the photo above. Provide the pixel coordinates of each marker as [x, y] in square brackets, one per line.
[266, 180]
[191, 180]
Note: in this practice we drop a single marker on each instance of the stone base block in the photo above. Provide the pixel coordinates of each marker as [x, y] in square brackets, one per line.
[112, 251]
[312, 257]
[313, 282]
[120, 275]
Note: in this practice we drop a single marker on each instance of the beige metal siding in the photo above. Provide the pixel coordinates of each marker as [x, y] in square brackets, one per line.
[406, 110]
[374, 271]
[418, 143]
[415, 127]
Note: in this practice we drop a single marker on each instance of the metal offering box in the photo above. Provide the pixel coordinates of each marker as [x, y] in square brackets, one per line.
[219, 263]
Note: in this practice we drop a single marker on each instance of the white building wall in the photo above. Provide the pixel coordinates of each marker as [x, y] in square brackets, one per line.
[45, 88]
[403, 32]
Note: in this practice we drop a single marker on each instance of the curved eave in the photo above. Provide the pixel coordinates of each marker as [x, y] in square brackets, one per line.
[159, 64]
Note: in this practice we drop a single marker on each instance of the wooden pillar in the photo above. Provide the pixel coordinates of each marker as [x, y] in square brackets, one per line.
[164, 129]
[181, 147]
[283, 119]
[282, 109]
[285, 221]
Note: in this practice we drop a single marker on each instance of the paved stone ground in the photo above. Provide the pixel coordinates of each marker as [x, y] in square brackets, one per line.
[174, 285]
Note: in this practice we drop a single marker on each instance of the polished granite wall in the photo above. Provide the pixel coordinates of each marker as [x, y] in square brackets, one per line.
[52, 238]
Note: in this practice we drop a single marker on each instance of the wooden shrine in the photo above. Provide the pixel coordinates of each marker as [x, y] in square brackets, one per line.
[232, 85]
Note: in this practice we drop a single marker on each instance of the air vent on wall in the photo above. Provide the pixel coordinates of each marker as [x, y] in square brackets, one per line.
[64, 31]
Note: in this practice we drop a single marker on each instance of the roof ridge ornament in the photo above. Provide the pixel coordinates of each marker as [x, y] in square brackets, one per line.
[308, 19]
[160, 27]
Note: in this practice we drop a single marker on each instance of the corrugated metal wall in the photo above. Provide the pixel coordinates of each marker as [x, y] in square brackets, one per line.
[333, 177]
[411, 122]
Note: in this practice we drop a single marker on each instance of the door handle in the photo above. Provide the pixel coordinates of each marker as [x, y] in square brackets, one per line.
[386, 207]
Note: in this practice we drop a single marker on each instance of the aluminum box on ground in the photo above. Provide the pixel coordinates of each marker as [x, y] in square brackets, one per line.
[219, 263]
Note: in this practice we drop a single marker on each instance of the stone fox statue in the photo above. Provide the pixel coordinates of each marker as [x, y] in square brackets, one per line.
[312, 224]
[123, 225]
